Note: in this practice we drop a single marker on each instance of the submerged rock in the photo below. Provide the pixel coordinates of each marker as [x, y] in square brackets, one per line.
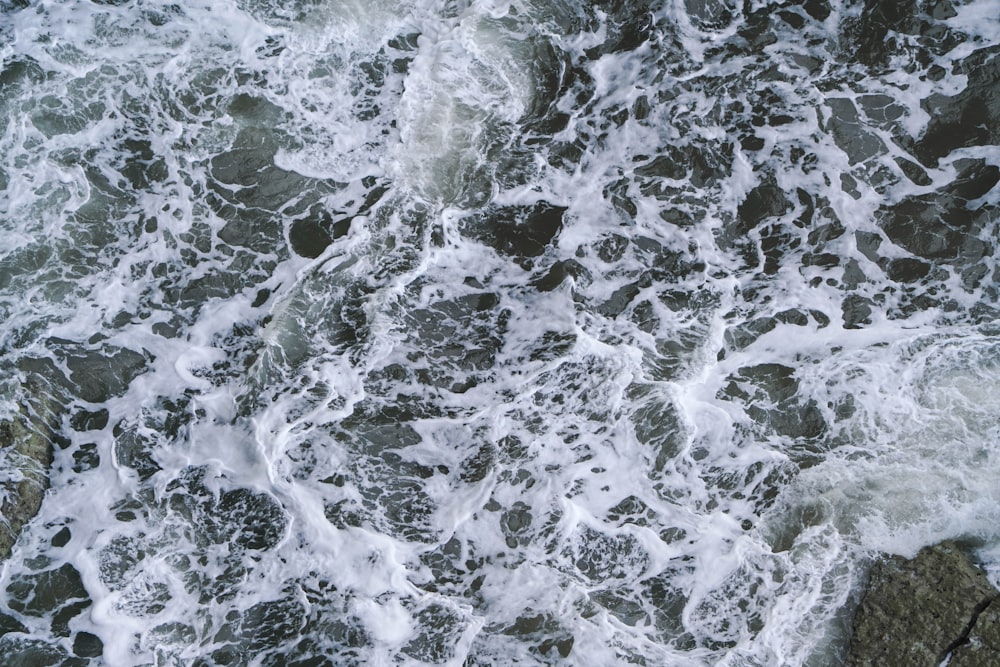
[917, 612]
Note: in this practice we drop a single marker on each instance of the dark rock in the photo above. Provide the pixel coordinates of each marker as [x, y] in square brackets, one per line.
[825, 233]
[709, 14]
[629, 25]
[241, 518]
[271, 624]
[101, 374]
[247, 174]
[87, 645]
[478, 466]
[774, 245]
[519, 232]
[974, 182]
[849, 133]
[543, 632]
[611, 248]
[868, 244]
[24, 652]
[756, 30]
[943, 225]
[438, 630]
[818, 9]
[824, 259]
[132, 449]
[870, 35]
[86, 458]
[882, 110]
[907, 270]
[89, 421]
[13, 5]
[771, 394]
[61, 538]
[663, 166]
[849, 185]
[699, 165]
[915, 612]
[247, 190]
[743, 335]
[58, 594]
[10, 624]
[41, 593]
[252, 228]
[793, 19]
[913, 171]
[619, 300]
[857, 311]
[308, 238]
[557, 274]
[19, 73]
[943, 10]
[142, 166]
[970, 118]
[751, 143]
[764, 201]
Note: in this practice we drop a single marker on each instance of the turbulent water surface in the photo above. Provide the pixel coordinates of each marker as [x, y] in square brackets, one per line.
[492, 332]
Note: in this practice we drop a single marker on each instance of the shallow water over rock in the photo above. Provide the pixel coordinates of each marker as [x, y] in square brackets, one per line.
[507, 332]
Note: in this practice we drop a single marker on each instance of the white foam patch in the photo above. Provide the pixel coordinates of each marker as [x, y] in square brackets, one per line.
[980, 20]
[467, 82]
[923, 447]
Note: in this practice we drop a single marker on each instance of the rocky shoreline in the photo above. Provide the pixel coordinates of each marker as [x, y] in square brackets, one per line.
[25, 457]
[936, 608]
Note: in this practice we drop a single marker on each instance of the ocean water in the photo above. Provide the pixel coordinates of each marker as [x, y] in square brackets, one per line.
[501, 332]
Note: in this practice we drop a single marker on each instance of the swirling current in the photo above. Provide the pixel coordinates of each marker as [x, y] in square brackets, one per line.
[490, 332]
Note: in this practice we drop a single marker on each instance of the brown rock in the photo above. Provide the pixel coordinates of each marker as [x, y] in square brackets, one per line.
[915, 612]
[983, 646]
[26, 453]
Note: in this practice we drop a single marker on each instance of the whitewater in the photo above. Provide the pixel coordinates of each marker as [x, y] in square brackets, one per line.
[500, 332]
